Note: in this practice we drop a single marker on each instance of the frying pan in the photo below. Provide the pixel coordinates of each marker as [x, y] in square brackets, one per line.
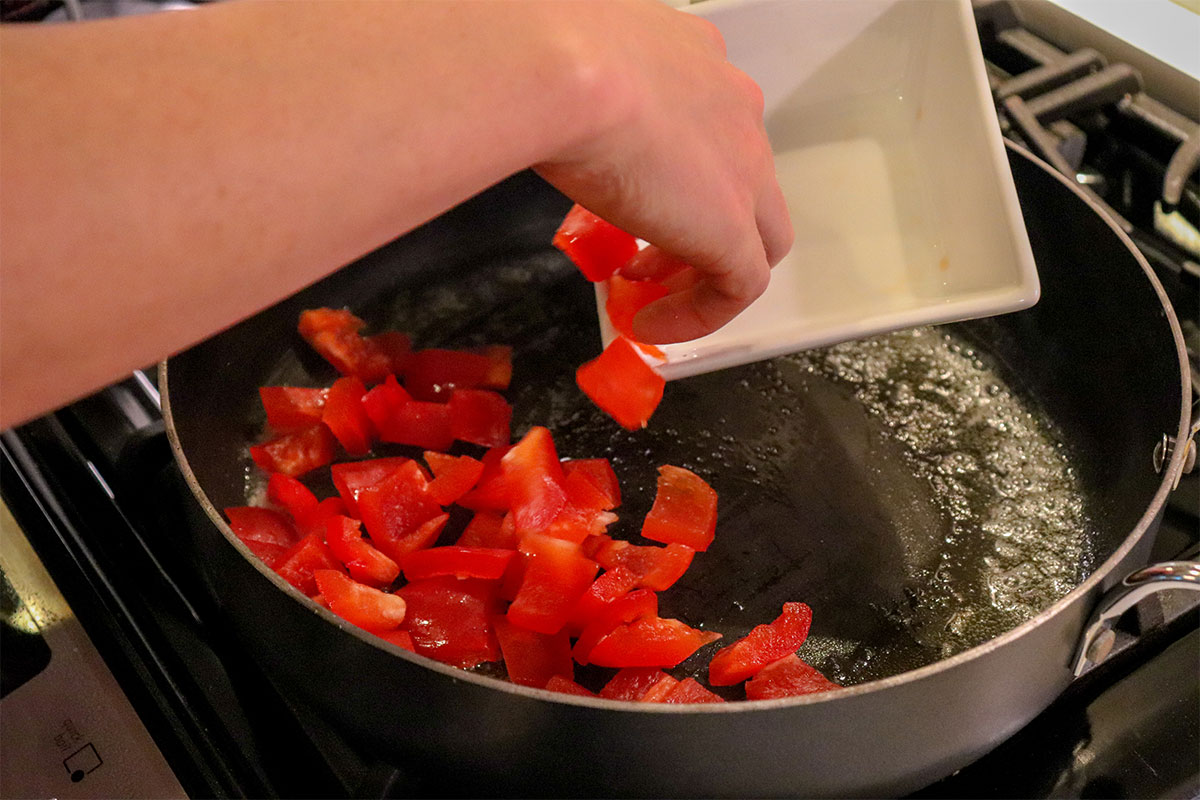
[951, 502]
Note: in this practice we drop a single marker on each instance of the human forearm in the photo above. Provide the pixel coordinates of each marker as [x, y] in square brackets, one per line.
[166, 176]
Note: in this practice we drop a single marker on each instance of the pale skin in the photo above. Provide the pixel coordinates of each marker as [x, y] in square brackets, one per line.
[164, 176]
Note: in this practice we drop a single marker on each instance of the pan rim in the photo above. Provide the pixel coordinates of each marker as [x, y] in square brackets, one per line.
[1093, 583]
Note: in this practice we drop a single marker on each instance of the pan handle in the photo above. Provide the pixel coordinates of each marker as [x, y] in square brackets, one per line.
[1098, 636]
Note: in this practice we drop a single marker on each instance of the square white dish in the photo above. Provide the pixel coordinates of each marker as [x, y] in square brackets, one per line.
[891, 159]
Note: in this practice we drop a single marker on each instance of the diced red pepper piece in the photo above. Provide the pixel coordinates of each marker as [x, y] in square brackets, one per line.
[633, 683]
[611, 584]
[534, 478]
[480, 416]
[383, 401]
[298, 564]
[334, 334]
[575, 523]
[296, 453]
[661, 689]
[314, 522]
[598, 248]
[351, 477]
[291, 408]
[365, 563]
[764, 645]
[401, 420]
[533, 658]
[453, 476]
[396, 509]
[491, 493]
[358, 603]
[450, 620]
[626, 298]
[633, 606]
[433, 374]
[650, 642]
[684, 511]
[690, 690]
[787, 677]
[582, 494]
[487, 563]
[558, 683]
[296, 498]
[600, 474]
[388, 354]
[655, 567]
[622, 385]
[486, 529]
[267, 533]
[556, 574]
[499, 371]
[345, 416]
[397, 637]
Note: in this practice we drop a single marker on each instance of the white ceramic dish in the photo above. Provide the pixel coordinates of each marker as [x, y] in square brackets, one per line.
[888, 150]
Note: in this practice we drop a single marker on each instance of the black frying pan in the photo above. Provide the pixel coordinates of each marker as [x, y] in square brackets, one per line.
[950, 502]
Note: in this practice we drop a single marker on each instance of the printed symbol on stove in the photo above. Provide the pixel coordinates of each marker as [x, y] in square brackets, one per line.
[81, 762]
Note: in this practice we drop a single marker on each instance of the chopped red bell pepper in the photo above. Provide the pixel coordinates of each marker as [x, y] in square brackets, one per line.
[351, 477]
[558, 683]
[612, 584]
[296, 453]
[633, 683]
[433, 374]
[308, 555]
[622, 384]
[388, 354]
[268, 534]
[534, 477]
[787, 677]
[292, 408]
[764, 645]
[690, 690]
[575, 524]
[684, 511]
[358, 603]
[453, 476]
[479, 416]
[650, 642]
[487, 563]
[450, 620]
[487, 529]
[556, 574]
[345, 416]
[296, 498]
[654, 567]
[626, 298]
[491, 492]
[401, 420]
[365, 563]
[633, 606]
[499, 372]
[599, 473]
[400, 638]
[598, 248]
[395, 512]
[314, 522]
[334, 333]
[533, 658]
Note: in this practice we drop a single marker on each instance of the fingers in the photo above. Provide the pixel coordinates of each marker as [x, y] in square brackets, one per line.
[706, 304]
[774, 223]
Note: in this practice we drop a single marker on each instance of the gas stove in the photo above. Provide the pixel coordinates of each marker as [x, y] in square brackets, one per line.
[120, 676]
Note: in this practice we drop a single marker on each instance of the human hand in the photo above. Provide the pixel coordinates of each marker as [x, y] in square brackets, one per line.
[677, 156]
